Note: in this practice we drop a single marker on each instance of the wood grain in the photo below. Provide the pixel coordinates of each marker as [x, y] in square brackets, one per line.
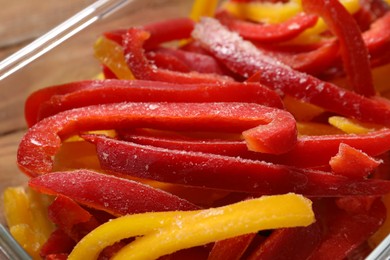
[23, 20]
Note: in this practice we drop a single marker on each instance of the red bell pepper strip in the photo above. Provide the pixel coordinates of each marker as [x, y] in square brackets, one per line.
[353, 163]
[268, 33]
[74, 220]
[244, 58]
[353, 49]
[309, 151]
[160, 32]
[107, 72]
[355, 204]
[232, 248]
[133, 42]
[370, 11]
[265, 129]
[224, 172]
[166, 61]
[58, 243]
[64, 206]
[114, 195]
[34, 100]
[346, 231]
[195, 61]
[289, 243]
[313, 62]
[47, 102]
[377, 39]
[57, 257]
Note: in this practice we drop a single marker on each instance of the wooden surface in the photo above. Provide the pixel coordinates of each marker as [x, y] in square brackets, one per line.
[23, 20]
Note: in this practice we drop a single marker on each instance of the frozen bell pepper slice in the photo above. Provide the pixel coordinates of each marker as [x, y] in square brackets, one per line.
[232, 248]
[110, 54]
[225, 172]
[289, 243]
[55, 99]
[309, 151]
[267, 33]
[265, 129]
[166, 232]
[353, 163]
[353, 49]
[160, 32]
[244, 58]
[133, 42]
[345, 231]
[114, 195]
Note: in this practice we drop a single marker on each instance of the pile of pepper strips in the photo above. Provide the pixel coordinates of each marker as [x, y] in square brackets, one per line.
[208, 122]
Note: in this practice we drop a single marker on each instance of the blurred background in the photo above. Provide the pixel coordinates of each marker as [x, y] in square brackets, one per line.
[21, 21]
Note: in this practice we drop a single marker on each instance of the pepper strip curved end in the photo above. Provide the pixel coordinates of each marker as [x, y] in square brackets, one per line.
[167, 232]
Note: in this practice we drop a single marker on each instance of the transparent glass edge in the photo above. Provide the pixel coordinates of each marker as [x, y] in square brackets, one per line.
[10, 247]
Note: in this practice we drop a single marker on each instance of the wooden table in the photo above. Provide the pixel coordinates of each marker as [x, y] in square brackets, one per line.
[24, 20]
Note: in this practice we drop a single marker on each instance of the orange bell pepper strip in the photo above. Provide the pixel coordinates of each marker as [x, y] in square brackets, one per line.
[110, 54]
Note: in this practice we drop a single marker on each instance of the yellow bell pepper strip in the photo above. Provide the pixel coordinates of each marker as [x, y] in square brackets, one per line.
[225, 172]
[203, 8]
[312, 128]
[265, 129]
[353, 163]
[166, 232]
[351, 126]
[110, 54]
[380, 75]
[353, 49]
[26, 218]
[265, 12]
[245, 59]
[302, 111]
